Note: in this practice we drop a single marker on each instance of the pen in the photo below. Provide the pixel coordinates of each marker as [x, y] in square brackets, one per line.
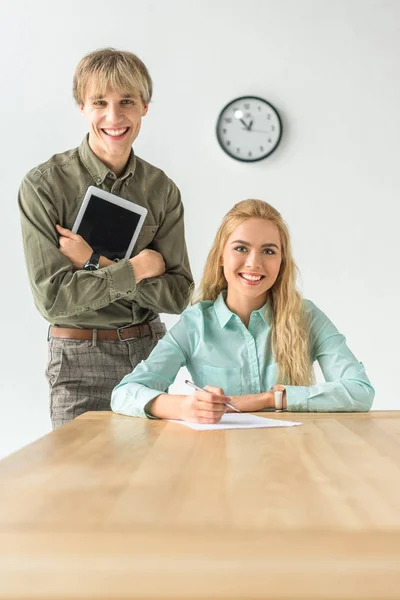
[200, 389]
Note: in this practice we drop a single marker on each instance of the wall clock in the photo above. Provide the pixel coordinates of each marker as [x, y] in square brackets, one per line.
[249, 128]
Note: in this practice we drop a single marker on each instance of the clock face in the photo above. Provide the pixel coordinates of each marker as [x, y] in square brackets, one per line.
[249, 129]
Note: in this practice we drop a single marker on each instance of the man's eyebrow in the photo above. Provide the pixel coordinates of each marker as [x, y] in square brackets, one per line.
[123, 96]
[269, 245]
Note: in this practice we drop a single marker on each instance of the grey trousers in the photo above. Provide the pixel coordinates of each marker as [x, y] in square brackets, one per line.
[82, 375]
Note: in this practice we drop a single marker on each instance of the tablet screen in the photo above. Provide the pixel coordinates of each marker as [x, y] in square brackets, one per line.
[108, 228]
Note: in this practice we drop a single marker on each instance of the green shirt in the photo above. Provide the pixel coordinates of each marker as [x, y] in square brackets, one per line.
[110, 297]
[216, 348]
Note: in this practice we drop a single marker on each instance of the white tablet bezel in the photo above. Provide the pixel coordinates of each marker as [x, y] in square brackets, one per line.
[136, 208]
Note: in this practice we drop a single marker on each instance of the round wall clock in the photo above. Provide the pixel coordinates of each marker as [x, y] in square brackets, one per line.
[249, 128]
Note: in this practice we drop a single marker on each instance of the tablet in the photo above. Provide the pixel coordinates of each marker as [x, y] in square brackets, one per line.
[108, 223]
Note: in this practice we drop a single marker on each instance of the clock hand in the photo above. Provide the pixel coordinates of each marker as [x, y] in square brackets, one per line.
[250, 124]
[259, 131]
[244, 123]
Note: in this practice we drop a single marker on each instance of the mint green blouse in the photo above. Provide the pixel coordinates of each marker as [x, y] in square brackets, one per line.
[217, 349]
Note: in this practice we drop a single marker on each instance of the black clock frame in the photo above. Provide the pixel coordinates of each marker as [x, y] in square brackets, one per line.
[219, 138]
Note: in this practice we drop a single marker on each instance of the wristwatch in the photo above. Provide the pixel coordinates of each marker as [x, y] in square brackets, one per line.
[278, 400]
[93, 263]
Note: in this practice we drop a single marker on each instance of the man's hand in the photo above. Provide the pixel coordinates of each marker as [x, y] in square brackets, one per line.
[74, 247]
[148, 263]
[204, 407]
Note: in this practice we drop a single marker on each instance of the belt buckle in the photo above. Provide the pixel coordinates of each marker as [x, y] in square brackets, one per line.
[122, 339]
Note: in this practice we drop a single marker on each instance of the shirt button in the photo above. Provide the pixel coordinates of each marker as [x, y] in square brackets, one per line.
[87, 307]
[118, 295]
[129, 292]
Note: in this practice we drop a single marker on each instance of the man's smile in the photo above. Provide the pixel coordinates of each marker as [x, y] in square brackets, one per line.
[116, 133]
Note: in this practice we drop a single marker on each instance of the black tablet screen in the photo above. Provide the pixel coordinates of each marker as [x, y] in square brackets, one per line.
[107, 227]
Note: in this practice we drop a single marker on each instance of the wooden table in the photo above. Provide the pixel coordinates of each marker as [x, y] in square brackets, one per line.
[111, 507]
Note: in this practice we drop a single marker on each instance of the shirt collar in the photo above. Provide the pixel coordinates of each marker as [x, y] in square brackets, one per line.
[98, 170]
[224, 315]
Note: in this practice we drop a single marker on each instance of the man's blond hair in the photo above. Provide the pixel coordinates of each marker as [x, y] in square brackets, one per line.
[112, 69]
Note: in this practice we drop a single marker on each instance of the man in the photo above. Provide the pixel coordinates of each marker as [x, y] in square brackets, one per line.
[102, 322]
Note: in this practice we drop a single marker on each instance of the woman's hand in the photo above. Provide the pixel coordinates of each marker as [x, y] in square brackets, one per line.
[204, 407]
[253, 402]
[74, 247]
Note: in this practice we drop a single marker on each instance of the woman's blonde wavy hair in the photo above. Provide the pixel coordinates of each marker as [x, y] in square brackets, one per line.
[289, 331]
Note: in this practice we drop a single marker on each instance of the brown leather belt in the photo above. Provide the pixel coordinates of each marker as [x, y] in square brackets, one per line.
[121, 334]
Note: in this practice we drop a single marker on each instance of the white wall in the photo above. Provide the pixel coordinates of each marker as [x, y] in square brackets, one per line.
[330, 67]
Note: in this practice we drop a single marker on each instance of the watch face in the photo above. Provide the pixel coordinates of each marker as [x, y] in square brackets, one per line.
[93, 263]
[249, 129]
[90, 267]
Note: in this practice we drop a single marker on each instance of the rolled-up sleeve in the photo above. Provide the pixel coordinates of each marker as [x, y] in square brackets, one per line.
[346, 388]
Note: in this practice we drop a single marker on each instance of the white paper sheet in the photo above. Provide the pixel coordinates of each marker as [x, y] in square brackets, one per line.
[239, 421]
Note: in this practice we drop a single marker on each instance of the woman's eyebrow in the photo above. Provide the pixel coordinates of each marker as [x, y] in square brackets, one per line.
[269, 245]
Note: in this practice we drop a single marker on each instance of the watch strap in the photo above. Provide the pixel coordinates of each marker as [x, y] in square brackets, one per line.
[278, 400]
[93, 263]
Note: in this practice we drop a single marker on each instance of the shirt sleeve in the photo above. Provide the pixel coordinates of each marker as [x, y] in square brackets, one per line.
[154, 375]
[169, 293]
[58, 289]
[346, 388]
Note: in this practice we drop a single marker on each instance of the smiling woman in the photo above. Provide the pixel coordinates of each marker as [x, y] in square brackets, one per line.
[251, 267]
[249, 332]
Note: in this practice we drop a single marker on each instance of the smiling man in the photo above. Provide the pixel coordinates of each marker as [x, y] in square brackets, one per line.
[103, 321]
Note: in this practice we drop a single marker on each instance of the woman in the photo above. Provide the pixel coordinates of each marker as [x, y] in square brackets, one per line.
[248, 333]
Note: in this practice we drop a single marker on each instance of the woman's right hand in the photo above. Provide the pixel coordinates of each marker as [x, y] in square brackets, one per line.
[204, 407]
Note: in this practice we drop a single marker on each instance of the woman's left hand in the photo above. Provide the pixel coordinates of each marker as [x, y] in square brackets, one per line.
[253, 402]
[257, 402]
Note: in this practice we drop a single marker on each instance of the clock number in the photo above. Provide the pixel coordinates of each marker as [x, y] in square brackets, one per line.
[248, 115]
[228, 143]
[250, 154]
[237, 150]
[228, 120]
[262, 148]
[247, 106]
[269, 116]
[269, 141]
[224, 130]
[272, 127]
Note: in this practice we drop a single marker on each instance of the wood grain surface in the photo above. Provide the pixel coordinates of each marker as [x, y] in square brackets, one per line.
[112, 507]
